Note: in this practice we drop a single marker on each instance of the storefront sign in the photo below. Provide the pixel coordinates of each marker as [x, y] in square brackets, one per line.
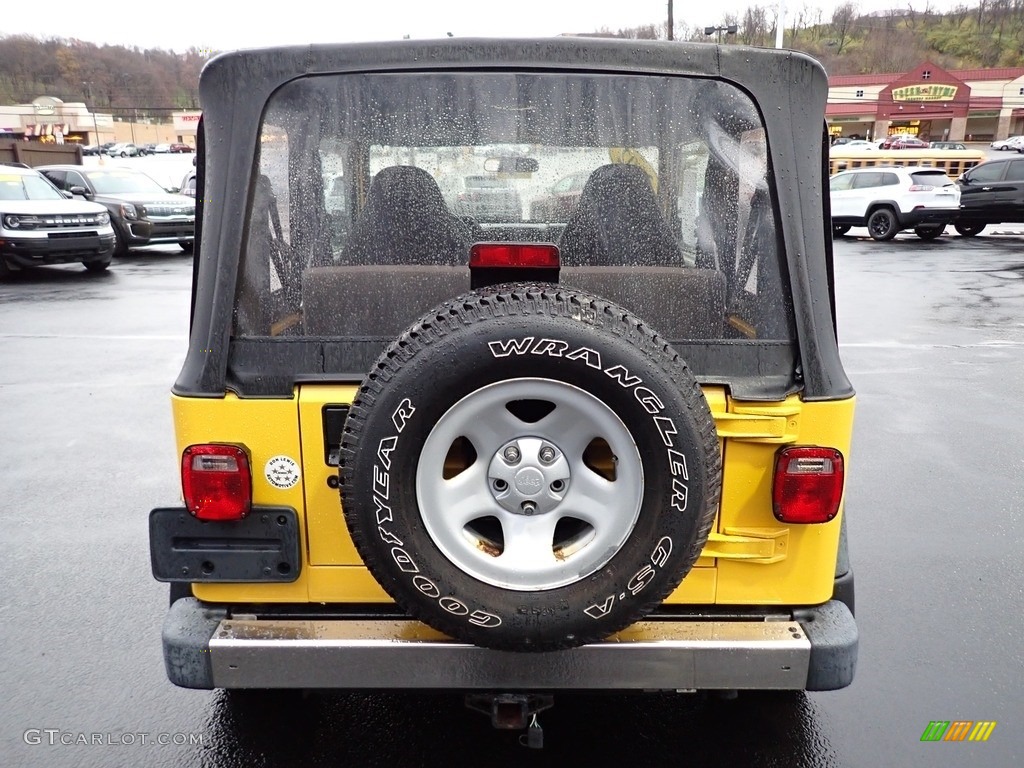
[186, 121]
[930, 92]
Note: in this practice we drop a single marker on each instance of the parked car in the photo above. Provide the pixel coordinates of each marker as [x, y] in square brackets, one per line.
[39, 225]
[856, 144]
[561, 199]
[122, 150]
[188, 184]
[487, 198]
[176, 149]
[147, 149]
[947, 145]
[91, 150]
[527, 468]
[142, 212]
[1011, 143]
[888, 200]
[161, 149]
[991, 193]
[904, 142]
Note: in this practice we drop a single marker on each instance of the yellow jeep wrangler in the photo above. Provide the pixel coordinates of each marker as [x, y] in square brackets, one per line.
[445, 423]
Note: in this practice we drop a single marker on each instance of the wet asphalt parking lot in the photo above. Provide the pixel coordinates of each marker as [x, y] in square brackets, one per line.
[933, 338]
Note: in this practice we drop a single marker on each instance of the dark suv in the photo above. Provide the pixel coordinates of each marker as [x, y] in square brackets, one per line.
[991, 193]
[142, 212]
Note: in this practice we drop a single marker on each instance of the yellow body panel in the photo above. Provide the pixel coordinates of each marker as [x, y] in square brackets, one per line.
[750, 557]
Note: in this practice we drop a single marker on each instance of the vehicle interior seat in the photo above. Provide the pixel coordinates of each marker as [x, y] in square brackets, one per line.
[402, 260]
[406, 221]
[617, 222]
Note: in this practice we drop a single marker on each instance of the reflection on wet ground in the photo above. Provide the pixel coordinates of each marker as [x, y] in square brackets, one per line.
[267, 728]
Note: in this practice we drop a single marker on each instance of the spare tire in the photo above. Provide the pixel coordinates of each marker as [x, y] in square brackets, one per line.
[529, 468]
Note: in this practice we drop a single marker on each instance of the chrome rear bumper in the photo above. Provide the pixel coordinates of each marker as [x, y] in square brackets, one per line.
[205, 649]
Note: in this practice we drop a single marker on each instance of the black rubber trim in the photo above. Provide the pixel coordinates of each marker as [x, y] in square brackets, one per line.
[833, 635]
[843, 591]
[262, 547]
[188, 628]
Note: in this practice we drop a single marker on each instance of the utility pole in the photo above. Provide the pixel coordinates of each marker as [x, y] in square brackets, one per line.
[671, 23]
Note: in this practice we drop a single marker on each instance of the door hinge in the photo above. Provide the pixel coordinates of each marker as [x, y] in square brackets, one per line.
[752, 545]
[763, 424]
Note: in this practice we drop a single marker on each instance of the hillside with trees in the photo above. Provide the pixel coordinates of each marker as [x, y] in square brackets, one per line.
[110, 78]
[151, 82]
[989, 33]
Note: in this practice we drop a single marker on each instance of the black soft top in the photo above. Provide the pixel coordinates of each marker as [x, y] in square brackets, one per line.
[789, 89]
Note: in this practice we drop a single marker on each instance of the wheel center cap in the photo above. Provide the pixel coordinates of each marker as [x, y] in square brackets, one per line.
[529, 481]
[529, 475]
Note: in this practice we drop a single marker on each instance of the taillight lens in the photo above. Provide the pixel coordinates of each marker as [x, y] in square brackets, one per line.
[514, 255]
[216, 482]
[808, 484]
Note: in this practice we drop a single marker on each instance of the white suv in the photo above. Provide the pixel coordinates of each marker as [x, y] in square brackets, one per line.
[887, 200]
[1013, 142]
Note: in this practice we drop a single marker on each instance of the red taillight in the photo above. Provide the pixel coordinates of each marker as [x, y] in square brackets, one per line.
[808, 484]
[216, 481]
[514, 255]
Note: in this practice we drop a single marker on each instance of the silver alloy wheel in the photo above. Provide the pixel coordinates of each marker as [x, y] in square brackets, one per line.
[533, 510]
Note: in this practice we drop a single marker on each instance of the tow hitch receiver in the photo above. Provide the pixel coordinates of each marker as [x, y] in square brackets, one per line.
[514, 711]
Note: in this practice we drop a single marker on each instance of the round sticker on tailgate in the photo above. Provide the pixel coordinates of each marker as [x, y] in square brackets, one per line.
[282, 472]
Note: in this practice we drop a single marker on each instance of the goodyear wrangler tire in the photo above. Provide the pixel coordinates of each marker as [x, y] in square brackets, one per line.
[529, 468]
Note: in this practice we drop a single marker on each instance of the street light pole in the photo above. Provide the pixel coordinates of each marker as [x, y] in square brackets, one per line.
[730, 29]
[780, 26]
[671, 23]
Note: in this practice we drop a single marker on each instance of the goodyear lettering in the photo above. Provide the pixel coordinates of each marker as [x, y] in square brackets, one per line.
[381, 482]
[426, 586]
[405, 563]
[402, 414]
[388, 537]
[453, 606]
[484, 619]
[384, 449]
[383, 511]
[381, 499]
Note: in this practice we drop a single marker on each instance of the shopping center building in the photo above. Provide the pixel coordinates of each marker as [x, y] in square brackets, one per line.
[930, 102]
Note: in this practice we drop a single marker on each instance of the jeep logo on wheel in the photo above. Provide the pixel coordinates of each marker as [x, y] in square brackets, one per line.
[529, 481]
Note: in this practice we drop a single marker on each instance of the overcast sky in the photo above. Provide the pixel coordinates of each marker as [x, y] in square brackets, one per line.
[226, 24]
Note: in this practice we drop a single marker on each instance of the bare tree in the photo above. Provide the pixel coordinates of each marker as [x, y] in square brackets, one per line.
[754, 29]
[842, 24]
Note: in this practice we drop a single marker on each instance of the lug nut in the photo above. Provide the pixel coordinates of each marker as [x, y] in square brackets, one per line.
[511, 454]
[547, 454]
[529, 507]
